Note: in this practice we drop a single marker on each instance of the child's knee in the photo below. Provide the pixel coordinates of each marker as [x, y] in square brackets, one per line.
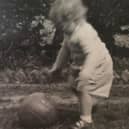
[97, 99]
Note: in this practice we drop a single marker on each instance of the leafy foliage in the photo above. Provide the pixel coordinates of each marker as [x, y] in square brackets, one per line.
[122, 40]
[27, 39]
[121, 70]
[46, 29]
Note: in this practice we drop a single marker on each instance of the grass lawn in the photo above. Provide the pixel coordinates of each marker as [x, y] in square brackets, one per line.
[106, 116]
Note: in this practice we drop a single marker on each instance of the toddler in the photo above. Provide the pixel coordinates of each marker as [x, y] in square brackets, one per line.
[91, 65]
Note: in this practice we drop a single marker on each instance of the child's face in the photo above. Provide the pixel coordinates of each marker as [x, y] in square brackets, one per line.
[66, 12]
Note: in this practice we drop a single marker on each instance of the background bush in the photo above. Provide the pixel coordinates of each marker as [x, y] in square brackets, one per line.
[28, 44]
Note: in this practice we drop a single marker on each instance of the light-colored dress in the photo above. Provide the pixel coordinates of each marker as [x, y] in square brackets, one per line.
[90, 57]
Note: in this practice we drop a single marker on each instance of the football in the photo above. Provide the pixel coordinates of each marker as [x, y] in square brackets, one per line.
[37, 110]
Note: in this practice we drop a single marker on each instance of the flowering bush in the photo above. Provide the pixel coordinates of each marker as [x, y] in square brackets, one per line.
[122, 40]
[46, 29]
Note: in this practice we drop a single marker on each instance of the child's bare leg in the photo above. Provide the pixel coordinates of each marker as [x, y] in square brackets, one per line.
[86, 105]
[87, 102]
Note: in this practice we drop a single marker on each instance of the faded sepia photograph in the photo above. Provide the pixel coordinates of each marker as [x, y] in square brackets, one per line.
[64, 64]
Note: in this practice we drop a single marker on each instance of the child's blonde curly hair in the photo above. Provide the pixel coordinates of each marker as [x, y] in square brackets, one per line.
[67, 10]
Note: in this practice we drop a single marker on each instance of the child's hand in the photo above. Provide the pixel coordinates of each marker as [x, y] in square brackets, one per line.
[51, 74]
[48, 73]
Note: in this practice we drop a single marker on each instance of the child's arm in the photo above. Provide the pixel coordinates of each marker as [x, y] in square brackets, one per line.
[61, 58]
